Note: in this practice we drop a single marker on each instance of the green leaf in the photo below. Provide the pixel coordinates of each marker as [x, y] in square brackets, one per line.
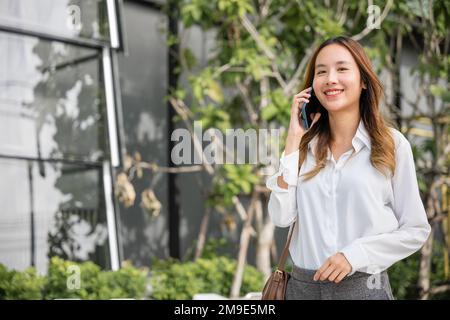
[440, 92]
[214, 91]
[189, 58]
[269, 112]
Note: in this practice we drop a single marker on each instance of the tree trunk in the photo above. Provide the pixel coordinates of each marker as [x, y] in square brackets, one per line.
[202, 234]
[425, 268]
[265, 233]
[242, 256]
[265, 240]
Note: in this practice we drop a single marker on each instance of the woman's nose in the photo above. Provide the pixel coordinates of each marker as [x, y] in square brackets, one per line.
[332, 77]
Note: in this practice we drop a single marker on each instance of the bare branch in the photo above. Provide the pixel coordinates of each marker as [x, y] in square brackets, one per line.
[202, 234]
[343, 17]
[247, 102]
[439, 289]
[368, 29]
[182, 111]
[239, 208]
[264, 88]
[183, 169]
[296, 77]
[265, 8]
[180, 108]
[256, 36]
[222, 69]
[248, 25]
[244, 242]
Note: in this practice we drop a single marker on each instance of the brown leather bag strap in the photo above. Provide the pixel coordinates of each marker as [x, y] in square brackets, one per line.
[285, 252]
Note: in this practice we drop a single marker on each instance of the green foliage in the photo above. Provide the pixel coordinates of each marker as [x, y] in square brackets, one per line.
[256, 65]
[213, 117]
[128, 282]
[440, 92]
[234, 8]
[289, 29]
[57, 277]
[209, 13]
[189, 58]
[26, 285]
[175, 280]
[278, 108]
[240, 179]
[403, 275]
[323, 20]
[205, 85]
[213, 246]
[198, 12]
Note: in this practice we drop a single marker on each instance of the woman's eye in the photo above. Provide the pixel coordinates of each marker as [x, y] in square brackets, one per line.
[319, 72]
[342, 69]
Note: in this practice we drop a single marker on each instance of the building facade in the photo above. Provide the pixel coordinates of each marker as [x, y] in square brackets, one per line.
[59, 138]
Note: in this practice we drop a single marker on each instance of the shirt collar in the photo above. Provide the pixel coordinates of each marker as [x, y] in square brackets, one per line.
[361, 136]
[360, 139]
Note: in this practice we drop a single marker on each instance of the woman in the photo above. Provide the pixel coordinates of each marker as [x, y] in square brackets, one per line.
[349, 180]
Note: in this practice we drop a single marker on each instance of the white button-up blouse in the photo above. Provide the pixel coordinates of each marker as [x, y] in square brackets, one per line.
[350, 207]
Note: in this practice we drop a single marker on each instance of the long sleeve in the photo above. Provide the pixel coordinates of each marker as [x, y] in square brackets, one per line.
[373, 254]
[282, 205]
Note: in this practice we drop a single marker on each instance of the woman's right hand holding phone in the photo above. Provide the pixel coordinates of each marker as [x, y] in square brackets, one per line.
[296, 129]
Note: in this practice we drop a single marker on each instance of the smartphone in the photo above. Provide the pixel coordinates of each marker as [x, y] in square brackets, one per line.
[307, 109]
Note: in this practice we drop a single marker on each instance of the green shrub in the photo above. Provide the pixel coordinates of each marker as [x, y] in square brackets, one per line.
[182, 280]
[57, 277]
[25, 285]
[404, 275]
[127, 282]
[215, 247]
[172, 279]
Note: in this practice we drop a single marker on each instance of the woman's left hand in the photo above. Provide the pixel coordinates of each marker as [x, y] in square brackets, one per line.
[334, 269]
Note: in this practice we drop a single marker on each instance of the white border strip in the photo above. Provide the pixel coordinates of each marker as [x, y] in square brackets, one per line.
[110, 108]
[110, 217]
[112, 22]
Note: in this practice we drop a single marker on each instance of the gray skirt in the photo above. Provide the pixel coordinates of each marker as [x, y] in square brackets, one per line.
[358, 286]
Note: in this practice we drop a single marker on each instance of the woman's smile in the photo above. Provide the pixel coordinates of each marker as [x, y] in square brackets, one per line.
[333, 94]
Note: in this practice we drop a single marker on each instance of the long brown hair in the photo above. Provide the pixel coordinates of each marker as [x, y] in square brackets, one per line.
[382, 155]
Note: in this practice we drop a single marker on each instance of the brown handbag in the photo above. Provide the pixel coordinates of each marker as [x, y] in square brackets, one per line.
[275, 287]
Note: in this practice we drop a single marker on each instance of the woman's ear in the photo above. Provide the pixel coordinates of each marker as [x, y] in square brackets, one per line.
[363, 84]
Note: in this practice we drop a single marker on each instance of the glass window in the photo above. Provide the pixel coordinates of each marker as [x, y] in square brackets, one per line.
[145, 126]
[51, 209]
[69, 18]
[51, 100]
[52, 150]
